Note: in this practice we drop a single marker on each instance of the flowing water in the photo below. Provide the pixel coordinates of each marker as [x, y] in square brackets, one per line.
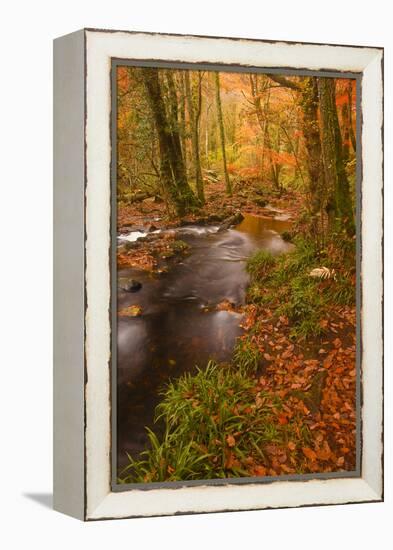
[179, 327]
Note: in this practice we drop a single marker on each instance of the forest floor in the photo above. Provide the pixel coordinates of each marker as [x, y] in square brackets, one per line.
[296, 360]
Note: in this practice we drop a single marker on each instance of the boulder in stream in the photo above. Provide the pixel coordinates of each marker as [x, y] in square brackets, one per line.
[235, 219]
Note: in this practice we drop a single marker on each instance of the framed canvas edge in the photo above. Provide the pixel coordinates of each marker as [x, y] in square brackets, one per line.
[101, 503]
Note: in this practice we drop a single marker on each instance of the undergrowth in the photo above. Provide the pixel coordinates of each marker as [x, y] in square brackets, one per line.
[216, 426]
[285, 282]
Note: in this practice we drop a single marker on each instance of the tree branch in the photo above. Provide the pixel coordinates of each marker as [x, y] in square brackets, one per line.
[285, 82]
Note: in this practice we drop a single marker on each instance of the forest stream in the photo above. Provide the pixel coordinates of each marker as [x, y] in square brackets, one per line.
[180, 326]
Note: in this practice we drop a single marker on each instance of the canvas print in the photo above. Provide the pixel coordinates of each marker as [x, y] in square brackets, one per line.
[236, 324]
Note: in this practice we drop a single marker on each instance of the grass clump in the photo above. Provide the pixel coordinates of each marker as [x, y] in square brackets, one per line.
[246, 356]
[260, 264]
[216, 426]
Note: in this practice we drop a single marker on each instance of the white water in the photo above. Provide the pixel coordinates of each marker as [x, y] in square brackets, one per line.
[135, 235]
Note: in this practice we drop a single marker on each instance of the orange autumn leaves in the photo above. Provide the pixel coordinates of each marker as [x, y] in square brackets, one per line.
[289, 375]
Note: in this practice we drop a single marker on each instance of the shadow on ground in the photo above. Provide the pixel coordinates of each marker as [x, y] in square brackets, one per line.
[45, 499]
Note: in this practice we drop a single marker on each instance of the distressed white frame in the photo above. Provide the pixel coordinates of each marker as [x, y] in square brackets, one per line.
[100, 501]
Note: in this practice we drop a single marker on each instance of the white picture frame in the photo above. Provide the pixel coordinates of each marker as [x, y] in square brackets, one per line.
[82, 250]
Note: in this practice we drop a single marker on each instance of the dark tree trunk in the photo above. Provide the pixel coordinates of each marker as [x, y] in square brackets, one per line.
[228, 185]
[172, 165]
[340, 203]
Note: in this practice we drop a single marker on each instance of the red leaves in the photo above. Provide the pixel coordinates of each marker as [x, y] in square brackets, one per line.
[231, 442]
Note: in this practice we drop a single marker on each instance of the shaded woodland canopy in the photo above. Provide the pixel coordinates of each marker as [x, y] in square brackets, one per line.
[180, 131]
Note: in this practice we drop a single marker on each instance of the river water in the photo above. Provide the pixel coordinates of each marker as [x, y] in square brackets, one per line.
[179, 327]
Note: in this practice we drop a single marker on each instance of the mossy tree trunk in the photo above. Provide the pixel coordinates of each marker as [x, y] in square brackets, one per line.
[172, 166]
[194, 105]
[352, 135]
[182, 115]
[312, 139]
[228, 185]
[339, 202]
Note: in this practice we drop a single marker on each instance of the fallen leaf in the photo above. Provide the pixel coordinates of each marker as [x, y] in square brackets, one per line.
[259, 471]
[130, 311]
[337, 343]
[309, 453]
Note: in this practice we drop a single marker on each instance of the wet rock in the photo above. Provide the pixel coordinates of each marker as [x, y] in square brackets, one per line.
[180, 246]
[216, 217]
[261, 202]
[235, 219]
[199, 221]
[131, 245]
[130, 285]
[151, 228]
[151, 237]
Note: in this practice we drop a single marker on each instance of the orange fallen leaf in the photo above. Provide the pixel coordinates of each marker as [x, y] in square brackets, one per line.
[130, 311]
[259, 471]
[309, 453]
[231, 442]
[337, 343]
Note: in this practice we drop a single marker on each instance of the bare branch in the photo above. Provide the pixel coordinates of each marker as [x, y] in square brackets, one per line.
[285, 82]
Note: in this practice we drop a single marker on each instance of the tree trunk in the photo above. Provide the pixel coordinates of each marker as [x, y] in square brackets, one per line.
[264, 125]
[172, 165]
[182, 121]
[345, 131]
[312, 139]
[351, 130]
[339, 203]
[195, 113]
[228, 185]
